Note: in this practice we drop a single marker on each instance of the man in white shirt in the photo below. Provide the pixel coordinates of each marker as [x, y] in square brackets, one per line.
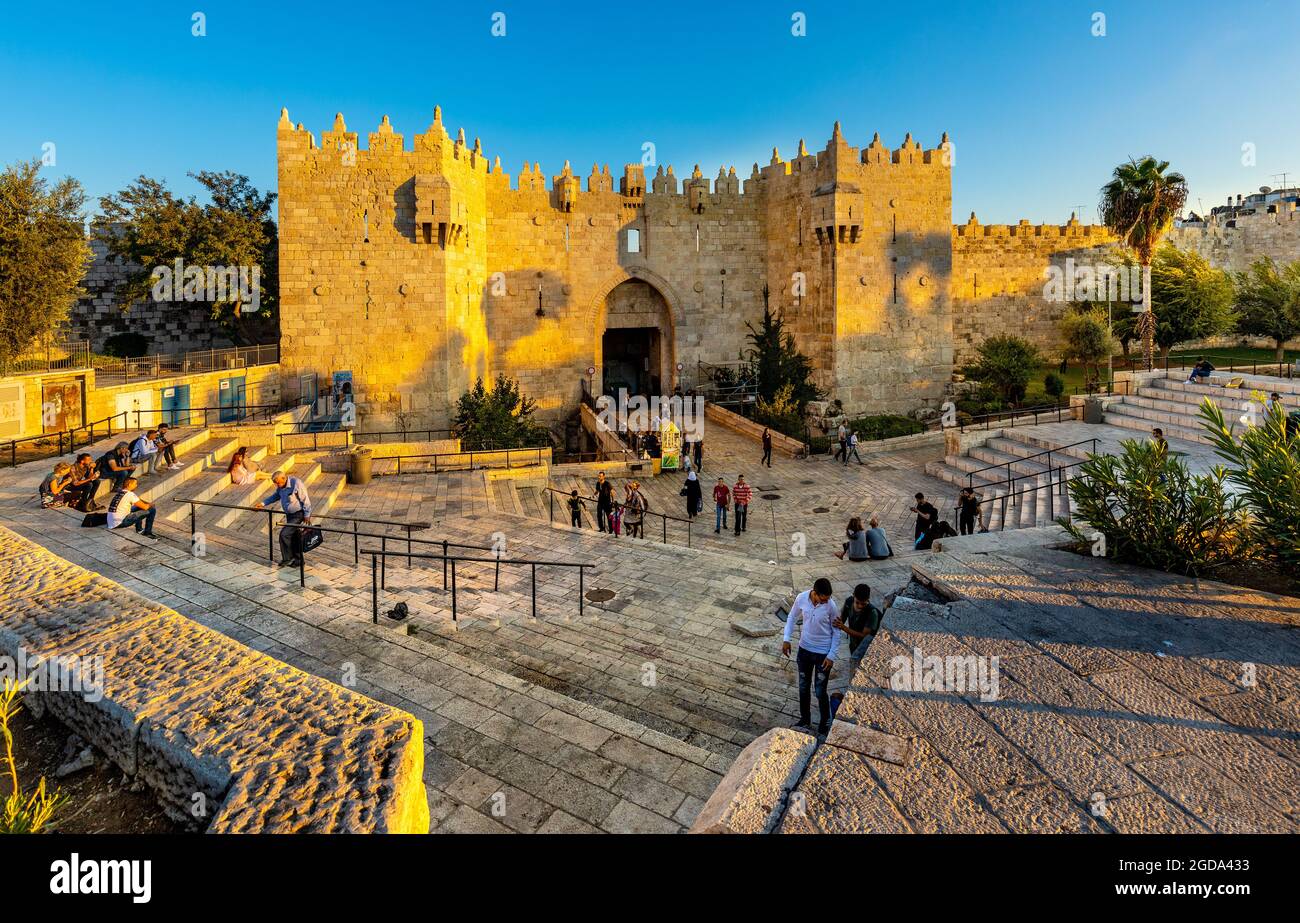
[817, 643]
[127, 509]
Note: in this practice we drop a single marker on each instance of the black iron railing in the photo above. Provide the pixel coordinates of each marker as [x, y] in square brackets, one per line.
[243, 413]
[111, 370]
[52, 445]
[436, 462]
[664, 518]
[970, 475]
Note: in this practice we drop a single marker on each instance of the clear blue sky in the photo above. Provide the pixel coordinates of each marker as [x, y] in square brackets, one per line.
[1040, 110]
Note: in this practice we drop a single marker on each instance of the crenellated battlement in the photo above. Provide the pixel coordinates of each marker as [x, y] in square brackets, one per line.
[1095, 233]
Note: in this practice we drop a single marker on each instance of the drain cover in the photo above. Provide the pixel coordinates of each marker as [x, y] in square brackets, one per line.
[771, 496]
[821, 509]
[599, 596]
[807, 482]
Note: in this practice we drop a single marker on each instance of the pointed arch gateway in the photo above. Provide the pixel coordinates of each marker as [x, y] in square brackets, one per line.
[634, 319]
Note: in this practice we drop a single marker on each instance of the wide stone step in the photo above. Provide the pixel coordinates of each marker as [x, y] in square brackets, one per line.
[1130, 420]
[207, 485]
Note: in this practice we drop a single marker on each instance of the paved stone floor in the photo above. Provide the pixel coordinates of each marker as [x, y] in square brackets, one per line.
[621, 718]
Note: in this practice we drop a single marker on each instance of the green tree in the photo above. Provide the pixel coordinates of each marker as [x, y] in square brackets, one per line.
[1268, 302]
[778, 362]
[43, 255]
[1192, 299]
[500, 417]
[1139, 205]
[1006, 363]
[1086, 339]
[150, 228]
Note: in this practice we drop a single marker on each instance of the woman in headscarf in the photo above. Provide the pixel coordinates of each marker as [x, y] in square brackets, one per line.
[693, 494]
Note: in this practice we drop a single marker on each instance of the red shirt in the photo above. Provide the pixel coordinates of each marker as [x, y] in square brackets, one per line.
[742, 493]
[721, 496]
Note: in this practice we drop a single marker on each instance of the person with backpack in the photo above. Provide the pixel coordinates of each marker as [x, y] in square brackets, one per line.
[125, 508]
[818, 640]
[852, 447]
[115, 465]
[143, 449]
[860, 620]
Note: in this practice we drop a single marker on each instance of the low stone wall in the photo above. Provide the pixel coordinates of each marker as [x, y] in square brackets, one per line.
[735, 422]
[226, 737]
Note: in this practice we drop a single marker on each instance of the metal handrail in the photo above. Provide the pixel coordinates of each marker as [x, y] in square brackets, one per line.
[358, 436]
[71, 434]
[315, 439]
[620, 505]
[243, 409]
[378, 576]
[470, 453]
[970, 475]
[1051, 487]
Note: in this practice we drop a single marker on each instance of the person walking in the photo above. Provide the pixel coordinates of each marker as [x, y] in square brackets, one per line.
[634, 507]
[767, 448]
[741, 493]
[968, 511]
[693, 493]
[842, 434]
[604, 503]
[818, 640]
[852, 447]
[291, 494]
[699, 454]
[721, 500]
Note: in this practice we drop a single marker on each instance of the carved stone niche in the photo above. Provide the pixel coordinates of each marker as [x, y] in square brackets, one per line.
[439, 211]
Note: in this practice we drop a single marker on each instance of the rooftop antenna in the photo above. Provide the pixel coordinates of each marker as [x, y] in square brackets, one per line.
[1284, 175]
[1078, 210]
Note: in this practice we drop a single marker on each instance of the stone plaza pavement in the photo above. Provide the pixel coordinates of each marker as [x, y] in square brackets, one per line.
[623, 719]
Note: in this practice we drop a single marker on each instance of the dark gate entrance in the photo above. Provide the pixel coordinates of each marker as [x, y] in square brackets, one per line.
[632, 360]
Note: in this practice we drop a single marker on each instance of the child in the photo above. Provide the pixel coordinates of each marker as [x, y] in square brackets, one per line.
[575, 509]
[616, 521]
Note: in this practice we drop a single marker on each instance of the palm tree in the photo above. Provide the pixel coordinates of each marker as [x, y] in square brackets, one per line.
[1139, 205]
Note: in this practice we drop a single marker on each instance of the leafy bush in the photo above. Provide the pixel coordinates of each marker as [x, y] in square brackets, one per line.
[126, 345]
[1153, 512]
[20, 813]
[1006, 363]
[499, 418]
[1265, 467]
[885, 426]
[782, 413]
[1054, 385]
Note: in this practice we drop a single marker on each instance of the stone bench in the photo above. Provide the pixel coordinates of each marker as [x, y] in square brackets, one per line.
[228, 739]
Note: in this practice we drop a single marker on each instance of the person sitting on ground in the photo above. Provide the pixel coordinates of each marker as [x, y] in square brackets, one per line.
[877, 545]
[856, 546]
[54, 489]
[167, 447]
[575, 509]
[115, 465]
[127, 509]
[940, 529]
[143, 449]
[242, 469]
[860, 620]
[1201, 369]
[1274, 400]
[85, 484]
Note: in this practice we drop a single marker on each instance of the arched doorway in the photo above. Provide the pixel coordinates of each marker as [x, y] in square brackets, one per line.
[637, 346]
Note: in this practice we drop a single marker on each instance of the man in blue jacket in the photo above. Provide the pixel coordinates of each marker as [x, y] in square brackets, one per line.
[291, 494]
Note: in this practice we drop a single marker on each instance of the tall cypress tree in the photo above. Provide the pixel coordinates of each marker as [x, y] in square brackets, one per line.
[778, 362]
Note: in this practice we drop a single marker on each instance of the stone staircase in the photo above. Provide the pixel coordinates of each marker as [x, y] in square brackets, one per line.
[1173, 405]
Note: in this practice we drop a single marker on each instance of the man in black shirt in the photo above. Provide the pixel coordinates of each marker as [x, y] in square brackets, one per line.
[926, 515]
[968, 510]
[115, 466]
[604, 503]
[860, 620]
